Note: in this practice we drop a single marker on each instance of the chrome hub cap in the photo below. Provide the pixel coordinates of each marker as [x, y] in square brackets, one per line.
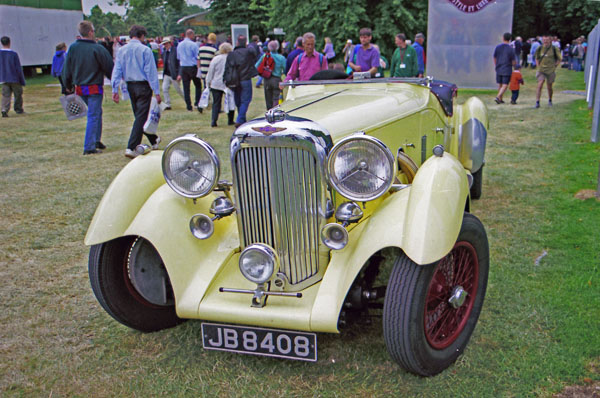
[458, 297]
[147, 274]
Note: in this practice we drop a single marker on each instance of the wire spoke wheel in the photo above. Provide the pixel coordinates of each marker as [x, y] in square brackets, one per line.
[430, 311]
[451, 295]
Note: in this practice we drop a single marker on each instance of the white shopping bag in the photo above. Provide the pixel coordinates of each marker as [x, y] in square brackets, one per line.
[74, 106]
[229, 101]
[151, 125]
[203, 103]
[124, 92]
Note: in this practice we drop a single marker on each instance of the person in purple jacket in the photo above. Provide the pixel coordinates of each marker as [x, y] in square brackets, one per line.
[328, 50]
[366, 58]
[57, 65]
[11, 77]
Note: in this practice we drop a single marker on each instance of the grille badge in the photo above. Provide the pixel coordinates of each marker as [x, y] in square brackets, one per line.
[268, 130]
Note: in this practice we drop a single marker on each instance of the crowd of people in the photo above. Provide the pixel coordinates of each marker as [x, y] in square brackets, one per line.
[225, 70]
[544, 53]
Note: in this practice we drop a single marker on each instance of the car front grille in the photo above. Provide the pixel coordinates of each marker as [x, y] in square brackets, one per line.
[277, 191]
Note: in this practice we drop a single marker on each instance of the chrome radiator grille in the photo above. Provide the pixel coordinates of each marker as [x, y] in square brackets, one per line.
[277, 192]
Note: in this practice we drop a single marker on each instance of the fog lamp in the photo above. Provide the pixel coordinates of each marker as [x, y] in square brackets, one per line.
[258, 263]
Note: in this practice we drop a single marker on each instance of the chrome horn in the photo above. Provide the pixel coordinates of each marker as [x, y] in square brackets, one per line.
[334, 236]
[203, 226]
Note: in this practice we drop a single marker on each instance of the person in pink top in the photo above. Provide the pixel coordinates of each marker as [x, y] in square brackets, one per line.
[311, 61]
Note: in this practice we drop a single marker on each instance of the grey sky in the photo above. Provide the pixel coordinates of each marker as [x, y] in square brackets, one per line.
[104, 5]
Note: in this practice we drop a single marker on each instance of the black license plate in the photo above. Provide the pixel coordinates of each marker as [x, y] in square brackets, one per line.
[259, 341]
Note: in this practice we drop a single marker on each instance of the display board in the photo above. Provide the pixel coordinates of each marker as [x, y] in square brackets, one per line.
[236, 30]
[592, 79]
[461, 38]
[34, 32]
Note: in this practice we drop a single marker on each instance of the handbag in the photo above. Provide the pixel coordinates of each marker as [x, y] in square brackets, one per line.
[203, 103]
[124, 91]
[228, 101]
[151, 125]
[74, 106]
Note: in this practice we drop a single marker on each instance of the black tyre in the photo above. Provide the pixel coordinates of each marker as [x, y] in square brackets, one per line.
[130, 282]
[430, 311]
[477, 184]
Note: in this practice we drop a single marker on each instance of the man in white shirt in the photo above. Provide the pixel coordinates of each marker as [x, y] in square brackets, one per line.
[187, 54]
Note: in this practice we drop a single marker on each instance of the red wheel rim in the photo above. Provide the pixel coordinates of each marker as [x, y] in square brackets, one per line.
[443, 322]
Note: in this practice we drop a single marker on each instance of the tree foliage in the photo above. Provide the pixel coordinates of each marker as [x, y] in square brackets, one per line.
[340, 19]
[146, 5]
[224, 13]
[566, 19]
[158, 21]
[109, 24]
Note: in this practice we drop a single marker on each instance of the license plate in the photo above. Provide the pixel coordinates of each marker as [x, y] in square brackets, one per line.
[259, 341]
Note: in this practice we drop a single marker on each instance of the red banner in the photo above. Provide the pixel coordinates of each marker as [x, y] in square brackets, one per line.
[470, 6]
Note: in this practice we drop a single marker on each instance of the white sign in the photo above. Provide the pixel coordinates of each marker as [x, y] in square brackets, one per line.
[236, 31]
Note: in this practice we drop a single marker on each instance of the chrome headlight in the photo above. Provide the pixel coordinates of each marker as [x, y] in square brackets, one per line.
[258, 262]
[361, 168]
[190, 166]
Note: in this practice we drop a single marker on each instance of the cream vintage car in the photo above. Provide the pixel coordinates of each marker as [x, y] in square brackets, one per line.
[352, 196]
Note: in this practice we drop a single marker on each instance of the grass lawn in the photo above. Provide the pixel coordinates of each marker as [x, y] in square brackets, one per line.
[539, 330]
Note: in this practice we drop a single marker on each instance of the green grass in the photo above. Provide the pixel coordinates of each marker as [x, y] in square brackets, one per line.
[539, 329]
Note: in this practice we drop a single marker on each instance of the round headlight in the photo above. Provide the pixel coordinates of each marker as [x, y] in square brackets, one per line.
[258, 262]
[361, 168]
[190, 166]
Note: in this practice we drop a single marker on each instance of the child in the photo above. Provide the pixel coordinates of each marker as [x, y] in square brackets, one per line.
[57, 65]
[516, 79]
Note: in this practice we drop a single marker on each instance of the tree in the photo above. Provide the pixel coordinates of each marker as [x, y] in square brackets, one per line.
[109, 24]
[338, 20]
[254, 13]
[566, 19]
[342, 19]
[151, 4]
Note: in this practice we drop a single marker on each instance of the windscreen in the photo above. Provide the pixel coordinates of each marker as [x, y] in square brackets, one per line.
[462, 35]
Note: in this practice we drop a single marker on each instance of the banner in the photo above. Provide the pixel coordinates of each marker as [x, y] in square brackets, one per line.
[461, 39]
[470, 5]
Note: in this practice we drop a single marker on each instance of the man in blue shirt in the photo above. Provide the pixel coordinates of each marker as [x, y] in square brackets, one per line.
[11, 77]
[187, 54]
[504, 60]
[418, 46]
[135, 64]
[293, 54]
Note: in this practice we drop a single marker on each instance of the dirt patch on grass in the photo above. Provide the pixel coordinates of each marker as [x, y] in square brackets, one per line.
[591, 387]
[587, 194]
[587, 391]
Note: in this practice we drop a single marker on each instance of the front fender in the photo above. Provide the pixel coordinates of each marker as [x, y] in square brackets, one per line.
[139, 203]
[423, 220]
[124, 198]
[192, 264]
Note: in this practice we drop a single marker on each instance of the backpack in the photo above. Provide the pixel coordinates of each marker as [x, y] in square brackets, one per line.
[267, 65]
[320, 59]
[573, 51]
[231, 75]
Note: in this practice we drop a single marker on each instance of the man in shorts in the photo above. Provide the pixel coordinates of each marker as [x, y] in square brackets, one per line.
[504, 59]
[547, 58]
